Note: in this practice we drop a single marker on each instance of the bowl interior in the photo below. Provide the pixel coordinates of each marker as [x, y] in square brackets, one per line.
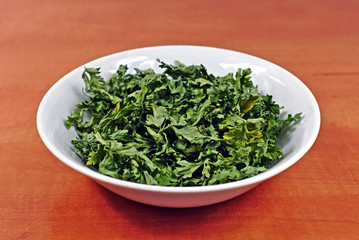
[287, 90]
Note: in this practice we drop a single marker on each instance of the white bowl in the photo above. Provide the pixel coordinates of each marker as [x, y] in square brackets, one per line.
[287, 90]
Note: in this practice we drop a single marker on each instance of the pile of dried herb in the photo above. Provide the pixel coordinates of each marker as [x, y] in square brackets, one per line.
[180, 127]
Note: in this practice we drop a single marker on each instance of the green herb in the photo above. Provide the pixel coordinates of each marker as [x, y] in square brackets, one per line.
[180, 127]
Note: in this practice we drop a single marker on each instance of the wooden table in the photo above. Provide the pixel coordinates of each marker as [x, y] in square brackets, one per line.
[318, 41]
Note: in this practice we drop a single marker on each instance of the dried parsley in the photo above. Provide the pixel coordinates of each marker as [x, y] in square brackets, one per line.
[180, 127]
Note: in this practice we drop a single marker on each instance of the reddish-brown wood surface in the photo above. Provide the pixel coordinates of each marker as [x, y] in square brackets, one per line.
[318, 41]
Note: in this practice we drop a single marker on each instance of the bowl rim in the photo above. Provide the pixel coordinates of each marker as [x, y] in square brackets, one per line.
[176, 189]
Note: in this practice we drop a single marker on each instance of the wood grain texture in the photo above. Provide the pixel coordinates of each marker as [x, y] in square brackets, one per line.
[318, 41]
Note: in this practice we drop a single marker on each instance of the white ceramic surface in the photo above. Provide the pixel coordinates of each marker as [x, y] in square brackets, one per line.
[287, 90]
